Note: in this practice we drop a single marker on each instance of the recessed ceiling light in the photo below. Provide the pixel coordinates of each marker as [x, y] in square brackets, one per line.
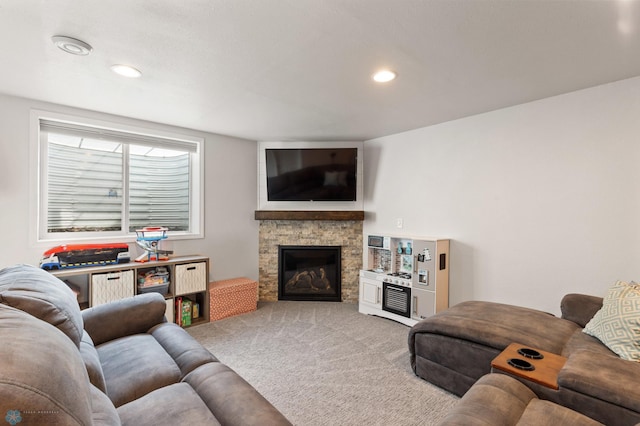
[72, 45]
[384, 76]
[126, 71]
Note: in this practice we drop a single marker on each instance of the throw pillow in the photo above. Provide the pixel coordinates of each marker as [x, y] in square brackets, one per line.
[617, 323]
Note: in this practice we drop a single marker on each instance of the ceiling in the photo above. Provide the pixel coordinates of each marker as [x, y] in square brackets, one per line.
[301, 69]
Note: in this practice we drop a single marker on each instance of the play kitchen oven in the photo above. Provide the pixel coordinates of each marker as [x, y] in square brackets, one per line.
[396, 298]
[407, 279]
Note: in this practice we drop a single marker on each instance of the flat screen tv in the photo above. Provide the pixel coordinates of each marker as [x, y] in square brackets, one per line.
[311, 174]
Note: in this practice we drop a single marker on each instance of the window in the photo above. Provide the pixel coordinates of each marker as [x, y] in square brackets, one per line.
[101, 182]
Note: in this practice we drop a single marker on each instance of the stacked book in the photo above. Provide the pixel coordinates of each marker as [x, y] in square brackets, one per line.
[186, 311]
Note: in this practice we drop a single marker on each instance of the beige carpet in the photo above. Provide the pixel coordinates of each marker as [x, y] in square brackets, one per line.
[323, 363]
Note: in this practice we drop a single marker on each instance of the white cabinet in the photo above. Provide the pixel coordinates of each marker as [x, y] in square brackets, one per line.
[371, 292]
[423, 303]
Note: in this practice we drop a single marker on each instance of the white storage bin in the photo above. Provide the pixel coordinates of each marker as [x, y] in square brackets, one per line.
[169, 311]
[191, 278]
[111, 286]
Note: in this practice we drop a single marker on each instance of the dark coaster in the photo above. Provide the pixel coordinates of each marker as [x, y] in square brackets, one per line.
[520, 364]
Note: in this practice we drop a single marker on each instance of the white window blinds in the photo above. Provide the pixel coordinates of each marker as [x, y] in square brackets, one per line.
[104, 180]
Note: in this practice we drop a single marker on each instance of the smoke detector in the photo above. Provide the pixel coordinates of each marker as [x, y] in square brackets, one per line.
[72, 45]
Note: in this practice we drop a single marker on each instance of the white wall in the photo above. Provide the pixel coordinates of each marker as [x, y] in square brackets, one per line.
[231, 233]
[539, 200]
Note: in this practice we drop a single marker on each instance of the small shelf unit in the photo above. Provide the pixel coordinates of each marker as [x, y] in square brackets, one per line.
[188, 278]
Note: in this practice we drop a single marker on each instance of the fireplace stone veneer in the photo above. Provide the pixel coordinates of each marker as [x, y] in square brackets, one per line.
[344, 233]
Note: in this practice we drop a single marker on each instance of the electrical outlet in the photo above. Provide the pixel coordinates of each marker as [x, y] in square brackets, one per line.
[399, 222]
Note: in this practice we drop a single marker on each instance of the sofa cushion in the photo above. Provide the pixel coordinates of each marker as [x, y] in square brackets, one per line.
[498, 399]
[187, 353]
[134, 366]
[124, 317]
[580, 308]
[494, 399]
[177, 404]
[580, 341]
[617, 323]
[497, 325]
[604, 377]
[103, 411]
[44, 296]
[92, 362]
[231, 399]
[42, 375]
[540, 413]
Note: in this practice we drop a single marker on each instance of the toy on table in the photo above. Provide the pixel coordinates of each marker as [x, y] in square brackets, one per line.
[81, 255]
[148, 238]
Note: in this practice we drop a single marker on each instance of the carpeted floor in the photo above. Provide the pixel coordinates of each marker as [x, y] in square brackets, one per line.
[323, 363]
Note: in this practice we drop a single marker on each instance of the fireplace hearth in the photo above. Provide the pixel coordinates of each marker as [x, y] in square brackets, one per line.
[309, 273]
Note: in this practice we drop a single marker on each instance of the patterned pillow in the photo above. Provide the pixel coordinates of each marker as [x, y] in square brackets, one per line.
[617, 323]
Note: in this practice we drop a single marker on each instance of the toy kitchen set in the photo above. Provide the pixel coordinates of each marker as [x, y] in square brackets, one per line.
[406, 280]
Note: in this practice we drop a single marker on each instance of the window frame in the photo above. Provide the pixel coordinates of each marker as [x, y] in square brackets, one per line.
[39, 157]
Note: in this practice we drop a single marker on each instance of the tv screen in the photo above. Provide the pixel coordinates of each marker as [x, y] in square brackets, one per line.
[311, 174]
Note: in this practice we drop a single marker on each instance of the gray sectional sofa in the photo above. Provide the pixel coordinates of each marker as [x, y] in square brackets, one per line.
[454, 349]
[500, 400]
[115, 364]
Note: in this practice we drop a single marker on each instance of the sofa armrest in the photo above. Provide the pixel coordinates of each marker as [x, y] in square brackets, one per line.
[580, 308]
[125, 317]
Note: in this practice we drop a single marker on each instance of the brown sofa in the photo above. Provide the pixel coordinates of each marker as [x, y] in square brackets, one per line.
[454, 348]
[115, 364]
[500, 400]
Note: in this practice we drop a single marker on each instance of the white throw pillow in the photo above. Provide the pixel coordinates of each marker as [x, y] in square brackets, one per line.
[617, 323]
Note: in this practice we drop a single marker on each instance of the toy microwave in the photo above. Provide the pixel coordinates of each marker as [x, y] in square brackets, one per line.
[377, 241]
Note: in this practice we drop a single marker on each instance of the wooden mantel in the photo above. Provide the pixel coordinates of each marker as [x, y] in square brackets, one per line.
[309, 215]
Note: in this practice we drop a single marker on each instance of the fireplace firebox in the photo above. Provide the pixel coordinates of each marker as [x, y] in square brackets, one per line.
[311, 273]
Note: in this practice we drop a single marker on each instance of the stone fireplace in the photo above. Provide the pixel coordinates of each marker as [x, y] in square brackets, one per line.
[276, 231]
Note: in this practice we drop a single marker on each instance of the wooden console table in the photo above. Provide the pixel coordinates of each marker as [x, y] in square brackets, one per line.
[546, 369]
